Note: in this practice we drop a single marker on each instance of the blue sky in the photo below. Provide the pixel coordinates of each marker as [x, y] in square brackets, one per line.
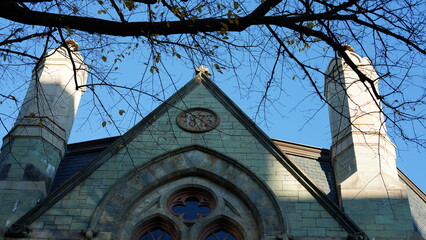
[294, 112]
[297, 114]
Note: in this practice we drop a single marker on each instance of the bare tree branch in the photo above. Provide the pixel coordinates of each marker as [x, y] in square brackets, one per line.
[92, 25]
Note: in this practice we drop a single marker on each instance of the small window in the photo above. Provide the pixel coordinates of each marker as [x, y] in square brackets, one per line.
[191, 203]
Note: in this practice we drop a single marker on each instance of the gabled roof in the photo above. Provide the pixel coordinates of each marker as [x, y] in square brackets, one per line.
[262, 138]
[78, 156]
[411, 185]
[315, 162]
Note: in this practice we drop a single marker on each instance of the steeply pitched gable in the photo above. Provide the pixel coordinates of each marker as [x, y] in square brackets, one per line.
[236, 136]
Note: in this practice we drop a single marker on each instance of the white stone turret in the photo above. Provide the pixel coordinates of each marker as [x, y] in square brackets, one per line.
[48, 112]
[53, 97]
[363, 157]
[33, 149]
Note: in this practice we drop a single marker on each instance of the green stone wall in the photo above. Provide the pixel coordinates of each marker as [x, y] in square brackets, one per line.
[305, 216]
[20, 192]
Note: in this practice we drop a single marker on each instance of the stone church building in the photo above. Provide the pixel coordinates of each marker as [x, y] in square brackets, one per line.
[197, 168]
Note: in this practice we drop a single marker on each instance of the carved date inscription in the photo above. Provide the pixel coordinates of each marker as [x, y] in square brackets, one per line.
[198, 120]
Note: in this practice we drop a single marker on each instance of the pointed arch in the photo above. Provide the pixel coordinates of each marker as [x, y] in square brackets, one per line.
[153, 225]
[221, 224]
[202, 165]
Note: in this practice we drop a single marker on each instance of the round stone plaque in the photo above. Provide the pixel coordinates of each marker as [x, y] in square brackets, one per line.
[198, 120]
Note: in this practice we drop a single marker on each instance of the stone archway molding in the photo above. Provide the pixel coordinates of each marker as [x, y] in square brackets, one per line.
[190, 161]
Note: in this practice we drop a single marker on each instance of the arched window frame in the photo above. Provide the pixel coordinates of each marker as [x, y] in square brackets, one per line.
[227, 176]
[153, 224]
[223, 225]
[179, 197]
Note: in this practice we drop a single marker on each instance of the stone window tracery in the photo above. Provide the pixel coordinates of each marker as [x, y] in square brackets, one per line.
[192, 207]
[238, 195]
[191, 203]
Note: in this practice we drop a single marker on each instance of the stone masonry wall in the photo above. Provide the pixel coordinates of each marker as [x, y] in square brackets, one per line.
[31, 170]
[418, 210]
[304, 215]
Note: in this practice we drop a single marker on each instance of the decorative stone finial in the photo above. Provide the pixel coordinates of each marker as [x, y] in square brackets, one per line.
[202, 70]
[72, 45]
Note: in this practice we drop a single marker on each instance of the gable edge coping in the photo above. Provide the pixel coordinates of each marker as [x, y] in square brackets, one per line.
[412, 185]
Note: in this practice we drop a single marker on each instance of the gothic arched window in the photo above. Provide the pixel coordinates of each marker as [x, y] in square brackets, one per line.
[157, 230]
[156, 234]
[221, 231]
[192, 212]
